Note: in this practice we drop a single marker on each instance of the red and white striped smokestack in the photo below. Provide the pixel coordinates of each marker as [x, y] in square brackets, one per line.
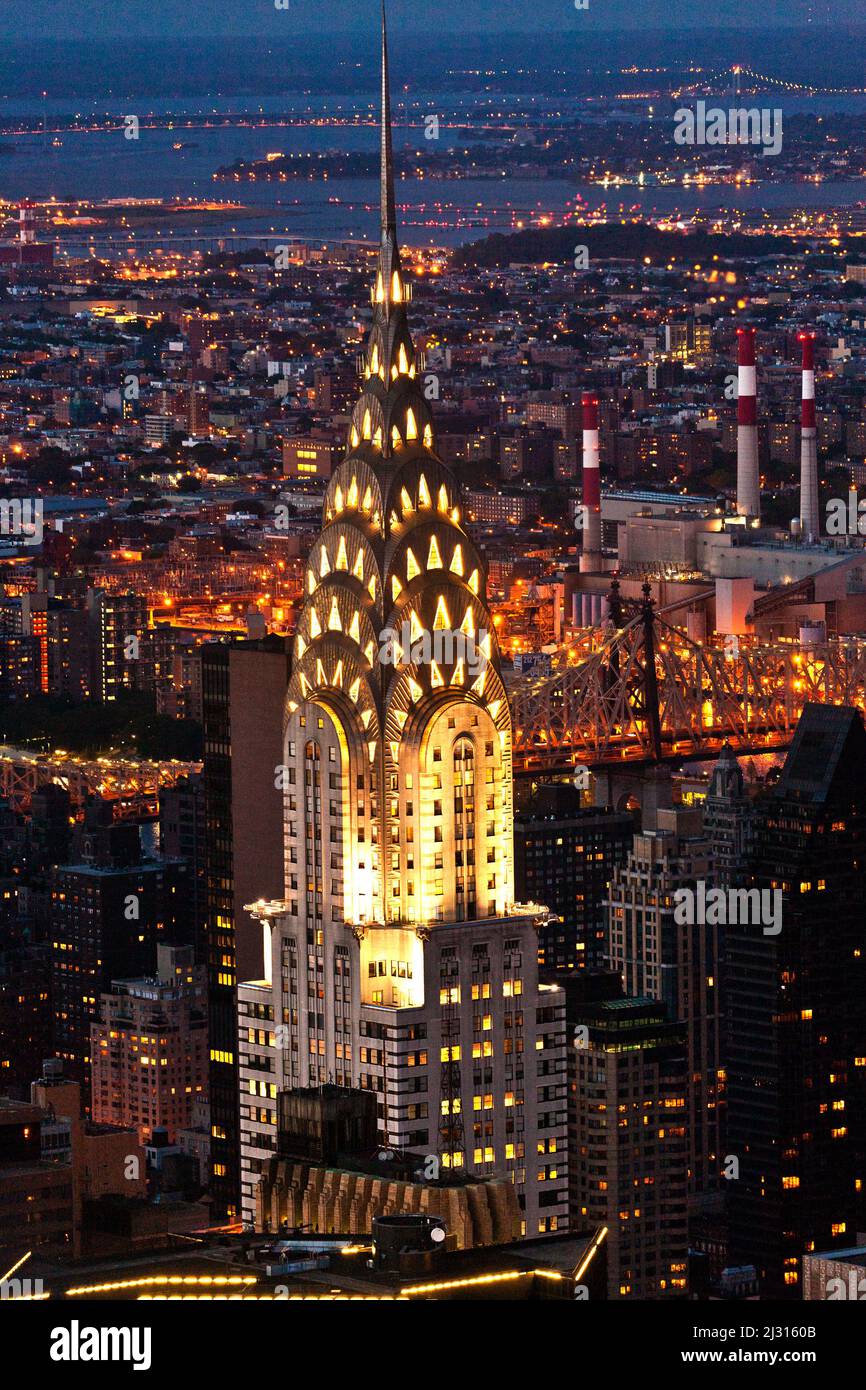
[748, 475]
[810, 521]
[590, 557]
[26, 224]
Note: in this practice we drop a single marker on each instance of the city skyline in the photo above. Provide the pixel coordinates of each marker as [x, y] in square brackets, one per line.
[433, 684]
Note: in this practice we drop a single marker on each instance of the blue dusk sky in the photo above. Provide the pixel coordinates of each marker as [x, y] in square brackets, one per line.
[75, 19]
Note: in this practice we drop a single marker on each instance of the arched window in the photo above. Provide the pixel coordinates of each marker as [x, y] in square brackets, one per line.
[463, 782]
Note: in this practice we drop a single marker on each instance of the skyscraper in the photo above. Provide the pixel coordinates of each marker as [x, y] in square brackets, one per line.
[182, 835]
[628, 1139]
[678, 963]
[149, 1047]
[564, 856]
[397, 960]
[119, 643]
[106, 922]
[797, 1012]
[726, 818]
[243, 689]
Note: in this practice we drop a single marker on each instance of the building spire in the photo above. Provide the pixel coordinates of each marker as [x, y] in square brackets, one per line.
[389, 210]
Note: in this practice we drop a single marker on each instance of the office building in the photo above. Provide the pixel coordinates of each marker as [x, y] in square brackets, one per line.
[726, 818]
[182, 835]
[119, 643]
[835, 1276]
[25, 1012]
[243, 697]
[678, 964]
[199, 411]
[396, 958]
[69, 672]
[20, 664]
[310, 456]
[686, 340]
[331, 1176]
[38, 1208]
[105, 924]
[628, 1140]
[34, 623]
[565, 855]
[797, 1012]
[149, 1047]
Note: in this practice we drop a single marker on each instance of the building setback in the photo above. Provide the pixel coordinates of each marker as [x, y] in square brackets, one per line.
[727, 818]
[331, 1177]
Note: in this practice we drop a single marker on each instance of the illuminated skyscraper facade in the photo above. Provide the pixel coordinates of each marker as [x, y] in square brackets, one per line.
[397, 960]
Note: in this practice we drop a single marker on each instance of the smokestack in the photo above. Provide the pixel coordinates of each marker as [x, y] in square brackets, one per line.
[748, 475]
[809, 518]
[590, 558]
[26, 224]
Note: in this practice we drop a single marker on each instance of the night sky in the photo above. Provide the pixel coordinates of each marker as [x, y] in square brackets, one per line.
[74, 19]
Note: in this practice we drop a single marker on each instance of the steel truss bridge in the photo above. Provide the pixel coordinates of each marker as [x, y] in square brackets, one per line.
[132, 783]
[641, 691]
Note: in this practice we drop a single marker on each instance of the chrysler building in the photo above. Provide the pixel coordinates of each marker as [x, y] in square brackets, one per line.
[397, 960]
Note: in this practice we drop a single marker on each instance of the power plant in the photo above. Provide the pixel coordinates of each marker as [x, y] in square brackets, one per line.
[647, 521]
[25, 250]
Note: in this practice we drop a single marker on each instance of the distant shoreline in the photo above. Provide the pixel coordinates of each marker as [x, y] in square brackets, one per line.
[221, 66]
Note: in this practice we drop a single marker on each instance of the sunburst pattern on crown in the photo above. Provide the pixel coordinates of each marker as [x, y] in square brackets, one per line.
[393, 554]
